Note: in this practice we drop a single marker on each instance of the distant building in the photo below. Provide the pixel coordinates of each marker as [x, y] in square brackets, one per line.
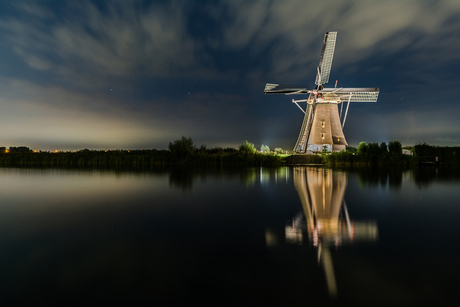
[407, 152]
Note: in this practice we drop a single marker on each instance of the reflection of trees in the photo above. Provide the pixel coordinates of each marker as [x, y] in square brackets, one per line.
[425, 175]
[184, 177]
[378, 176]
[248, 176]
[181, 178]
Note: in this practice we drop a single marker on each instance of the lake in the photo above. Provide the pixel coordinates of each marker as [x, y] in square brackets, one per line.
[226, 237]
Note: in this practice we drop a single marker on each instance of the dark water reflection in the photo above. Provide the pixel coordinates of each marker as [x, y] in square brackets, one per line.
[325, 218]
[229, 237]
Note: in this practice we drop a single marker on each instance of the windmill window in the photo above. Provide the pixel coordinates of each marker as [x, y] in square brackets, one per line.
[323, 124]
[322, 135]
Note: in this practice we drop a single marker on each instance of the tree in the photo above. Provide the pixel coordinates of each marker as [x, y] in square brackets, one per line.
[374, 149]
[394, 147]
[383, 148]
[20, 149]
[264, 148]
[247, 148]
[202, 148]
[182, 148]
[363, 148]
[278, 150]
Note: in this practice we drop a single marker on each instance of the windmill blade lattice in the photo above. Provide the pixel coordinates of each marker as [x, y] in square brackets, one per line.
[271, 88]
[327, 54]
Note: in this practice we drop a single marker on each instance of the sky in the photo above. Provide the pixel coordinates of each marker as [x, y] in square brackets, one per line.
[139, 74]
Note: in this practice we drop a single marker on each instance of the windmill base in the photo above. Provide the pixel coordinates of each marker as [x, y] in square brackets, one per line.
[315, 148]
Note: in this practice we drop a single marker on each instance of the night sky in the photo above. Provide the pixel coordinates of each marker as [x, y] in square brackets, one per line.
[139, 74]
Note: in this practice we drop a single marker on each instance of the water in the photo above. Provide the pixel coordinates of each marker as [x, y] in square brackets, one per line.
[230, 237]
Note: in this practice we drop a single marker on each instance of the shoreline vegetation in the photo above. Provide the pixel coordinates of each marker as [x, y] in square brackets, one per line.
[183, 152]
[394, 155]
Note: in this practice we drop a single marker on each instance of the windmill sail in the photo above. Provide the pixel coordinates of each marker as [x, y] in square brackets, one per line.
[325, 63]
[271, 88]
[369, 94]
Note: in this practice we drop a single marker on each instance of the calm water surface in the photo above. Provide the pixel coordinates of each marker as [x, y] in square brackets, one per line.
[230, 237]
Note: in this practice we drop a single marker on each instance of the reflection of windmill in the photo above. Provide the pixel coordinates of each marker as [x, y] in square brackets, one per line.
[321, 127]
[321, 192]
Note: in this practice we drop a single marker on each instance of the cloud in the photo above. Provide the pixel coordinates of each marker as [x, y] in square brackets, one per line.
[292, 31]
[86, 42]
[40, 116]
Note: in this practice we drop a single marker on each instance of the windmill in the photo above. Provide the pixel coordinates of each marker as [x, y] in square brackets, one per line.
[322, 128]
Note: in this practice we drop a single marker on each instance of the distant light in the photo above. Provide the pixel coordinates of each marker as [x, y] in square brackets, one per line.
[56, 151]
[35, 150]
[7, 151]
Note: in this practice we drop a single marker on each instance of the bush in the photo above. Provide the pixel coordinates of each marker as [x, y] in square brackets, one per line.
[247, 148]
[264, 148]
[352, 149]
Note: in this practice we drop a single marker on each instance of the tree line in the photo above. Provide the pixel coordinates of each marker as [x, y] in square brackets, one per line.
[184, 152]
[180, 152]
[392, 154]
[370, 153]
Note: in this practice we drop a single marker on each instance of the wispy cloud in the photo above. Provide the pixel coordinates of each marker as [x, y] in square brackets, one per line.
[291, 30]
[86, 43]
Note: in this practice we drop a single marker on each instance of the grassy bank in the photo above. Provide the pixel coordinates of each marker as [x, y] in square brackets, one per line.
[348, 158]
[137, 158]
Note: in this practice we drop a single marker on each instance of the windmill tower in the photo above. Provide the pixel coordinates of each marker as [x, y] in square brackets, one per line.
[322, 128]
